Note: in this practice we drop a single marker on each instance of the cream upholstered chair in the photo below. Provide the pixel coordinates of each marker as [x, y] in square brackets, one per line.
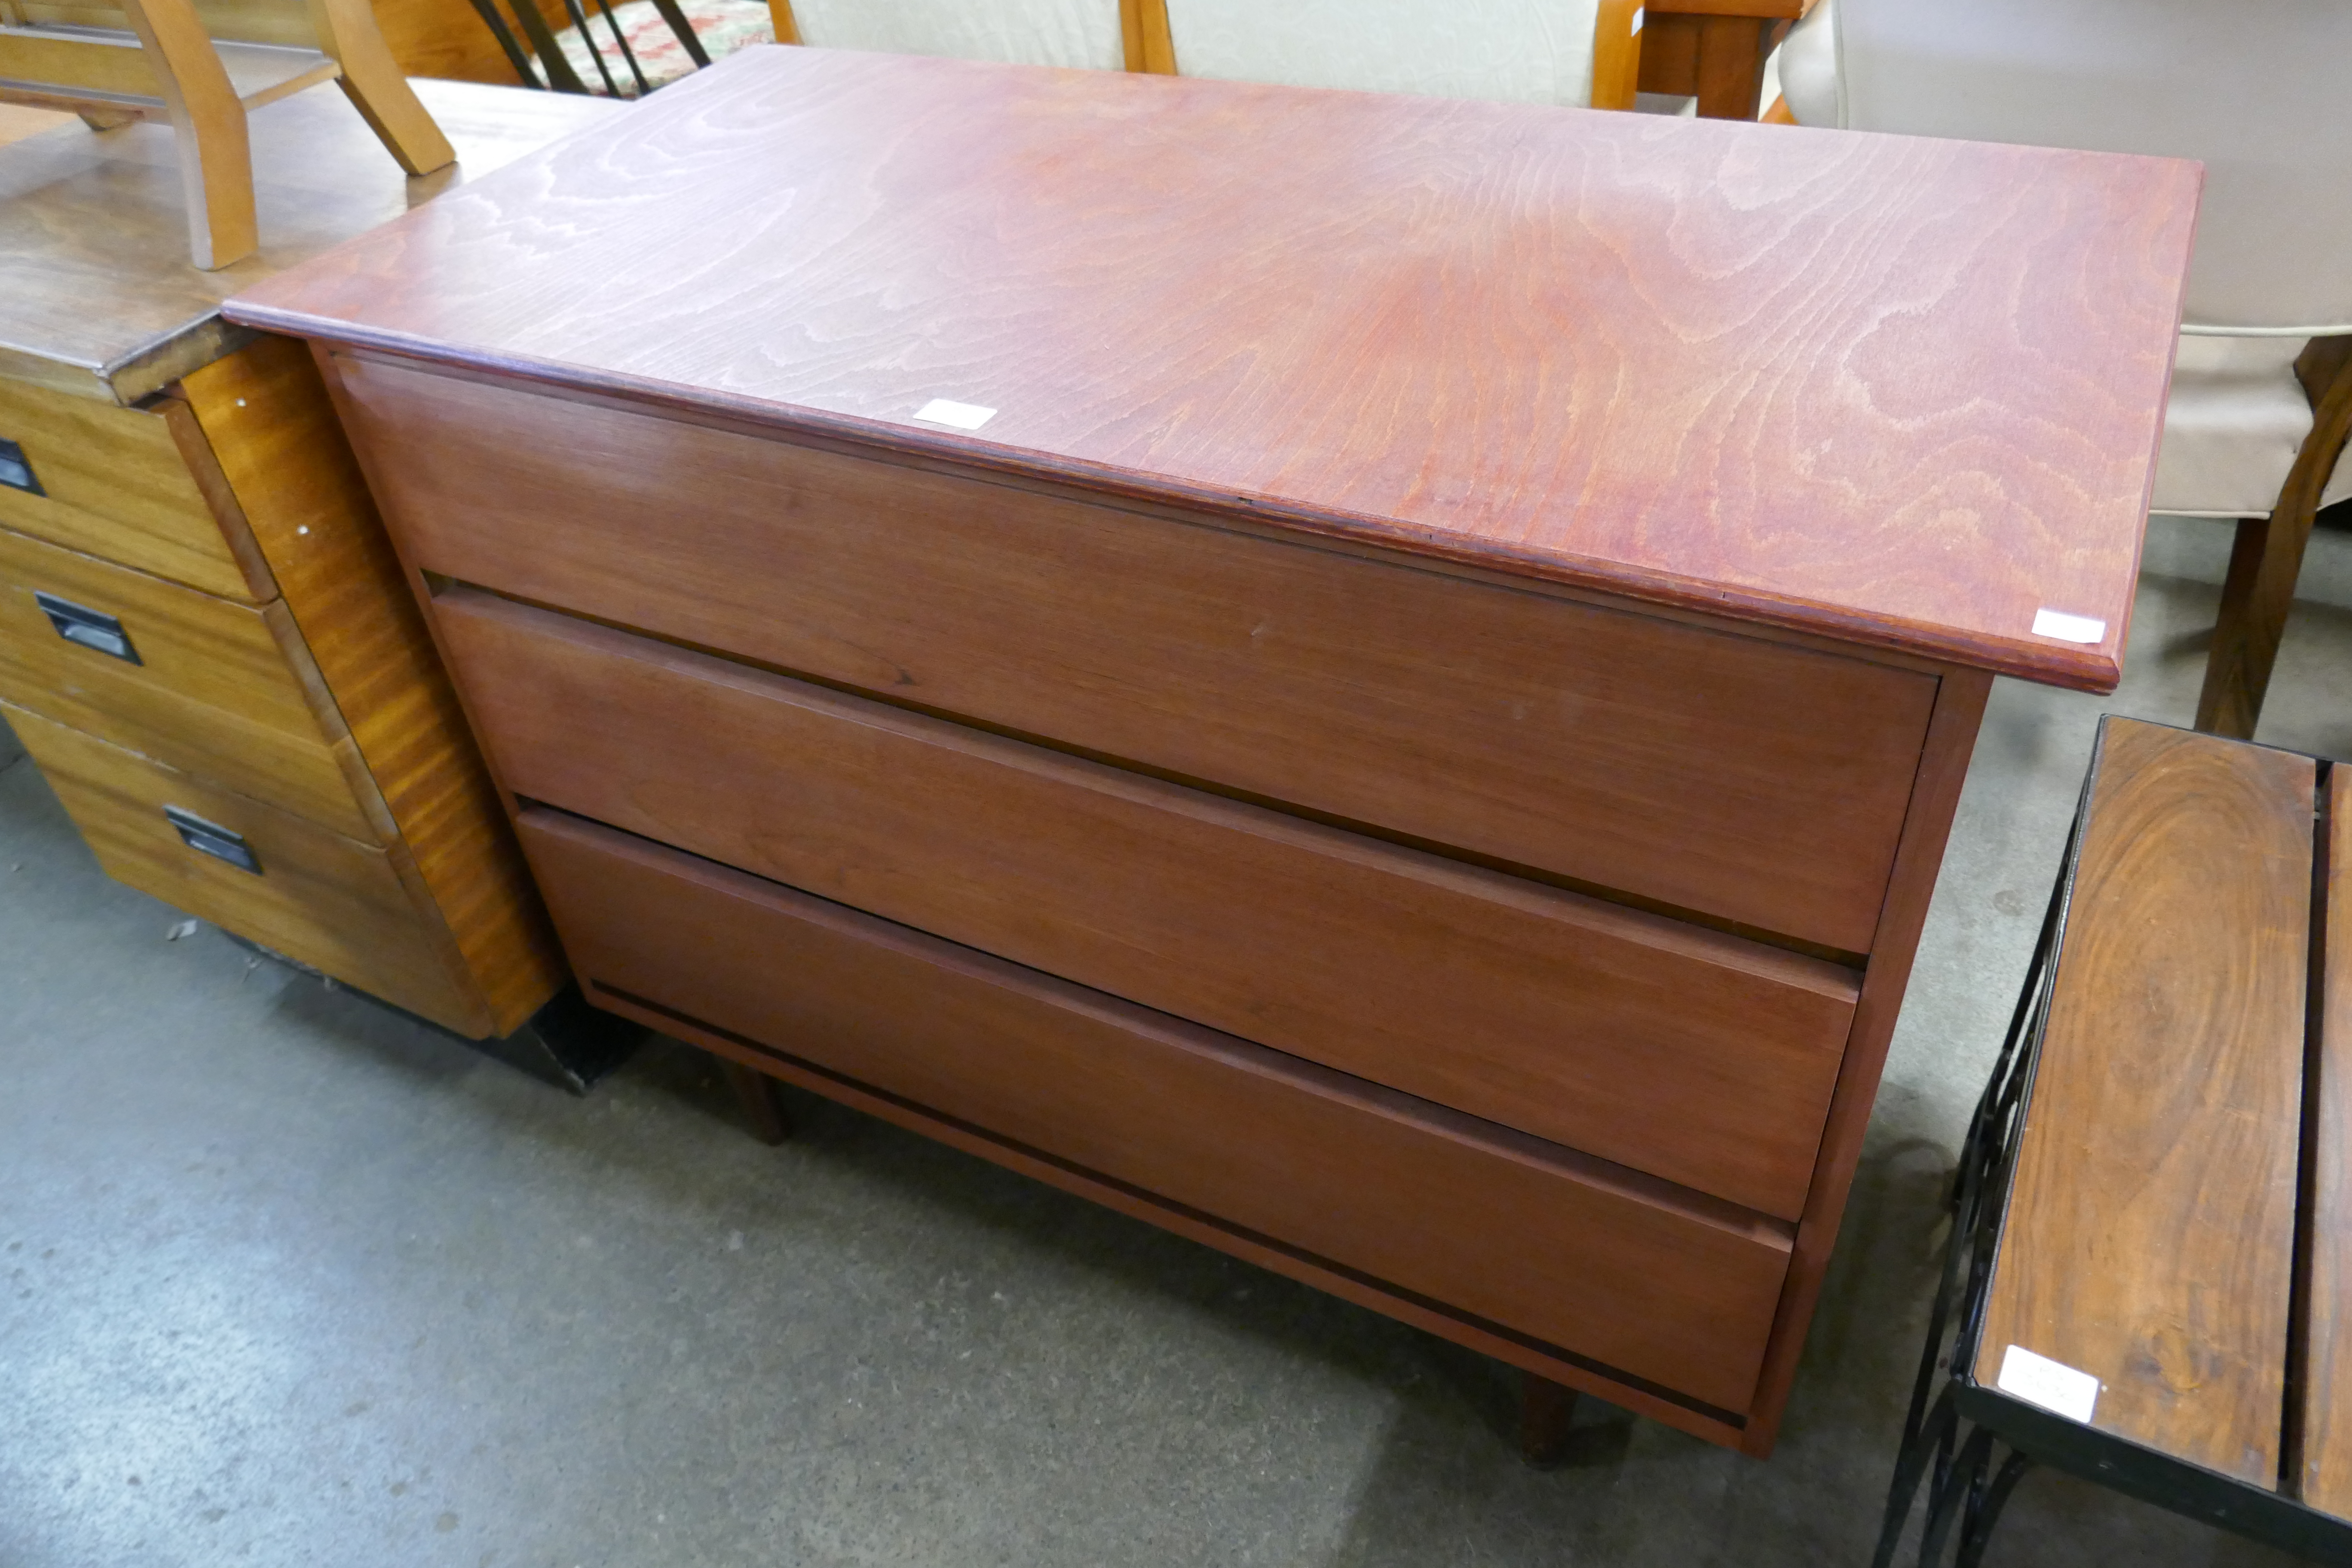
[1543, 51]
[1579, 52]
[1074, 33]
[2262, 392]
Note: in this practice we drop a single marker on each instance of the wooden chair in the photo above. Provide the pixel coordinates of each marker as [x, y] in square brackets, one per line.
[668, 44]
[2149, 1279]
[1082, 34]
[1586, 53]
[203, 73]
[2261, 391]
[1528, 50]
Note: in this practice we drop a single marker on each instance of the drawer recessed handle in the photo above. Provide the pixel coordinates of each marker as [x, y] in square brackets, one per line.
[91, 628]
[17, 470]
[211, 839]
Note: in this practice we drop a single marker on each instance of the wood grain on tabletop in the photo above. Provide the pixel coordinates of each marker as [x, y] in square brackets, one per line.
[2151, 1233]
[337, 905]
[1370, 1180]
[17, 122]
[1697, 1058]
[101, 300]
[268, 424]
[1680, 765]
[1902, 391]
[2325, 1481]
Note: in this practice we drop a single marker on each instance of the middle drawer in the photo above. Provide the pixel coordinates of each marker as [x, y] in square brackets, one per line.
[203, 684]
[1698, 1057]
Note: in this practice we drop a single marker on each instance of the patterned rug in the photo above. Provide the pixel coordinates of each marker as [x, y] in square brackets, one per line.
[722, 26]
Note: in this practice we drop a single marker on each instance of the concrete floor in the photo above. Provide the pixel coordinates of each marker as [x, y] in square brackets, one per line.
[286, 1277]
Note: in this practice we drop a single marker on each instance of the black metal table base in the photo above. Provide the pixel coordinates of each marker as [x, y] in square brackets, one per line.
[1965, 1487]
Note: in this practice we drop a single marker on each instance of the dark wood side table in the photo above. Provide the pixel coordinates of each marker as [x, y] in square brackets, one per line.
[2149, 1278]
[1378, 680]
[1714, 50]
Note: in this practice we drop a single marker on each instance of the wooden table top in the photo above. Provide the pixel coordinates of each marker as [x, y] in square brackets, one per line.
[1901, 391]
[2150, 1235]
[96, 294]
[2177, 1233]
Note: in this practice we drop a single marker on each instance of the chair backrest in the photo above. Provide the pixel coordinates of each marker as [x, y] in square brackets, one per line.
[1074, 32]
[1534, 51]
[2257, 90]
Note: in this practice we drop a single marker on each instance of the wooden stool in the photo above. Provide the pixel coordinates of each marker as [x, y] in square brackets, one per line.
[168, 67]
[2150, 1282]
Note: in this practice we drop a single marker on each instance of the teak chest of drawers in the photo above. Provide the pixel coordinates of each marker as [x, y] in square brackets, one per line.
[1415, 742]
[206, 640]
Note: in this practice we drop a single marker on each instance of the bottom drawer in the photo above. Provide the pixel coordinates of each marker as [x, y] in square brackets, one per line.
[309, 892]
[1551, 1244]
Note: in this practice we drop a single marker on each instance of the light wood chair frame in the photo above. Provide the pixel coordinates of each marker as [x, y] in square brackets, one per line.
[180, 75]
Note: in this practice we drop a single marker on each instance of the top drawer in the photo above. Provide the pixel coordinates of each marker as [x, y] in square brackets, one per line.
[112, 483]
[1757, 783]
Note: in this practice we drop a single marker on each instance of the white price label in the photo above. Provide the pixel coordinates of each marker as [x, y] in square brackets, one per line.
[2063, 628]
[961, 415]
[2053, 1385]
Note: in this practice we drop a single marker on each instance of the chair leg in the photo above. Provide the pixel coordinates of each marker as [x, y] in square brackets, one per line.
[1545, 1410]
[371, 80]
[208, 122]
[2268, 556]
[2254, 619]
[1143, 35]
[755, 1092]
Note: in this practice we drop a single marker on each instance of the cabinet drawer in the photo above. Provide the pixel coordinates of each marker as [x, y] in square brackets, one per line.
[1502, 1227]
[112, 483]
[211, 691]
[1751, 781]
[1696, 1057]
[313, 895]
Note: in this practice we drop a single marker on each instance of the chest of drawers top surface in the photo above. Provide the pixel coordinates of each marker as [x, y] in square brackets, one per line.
[1900, 392]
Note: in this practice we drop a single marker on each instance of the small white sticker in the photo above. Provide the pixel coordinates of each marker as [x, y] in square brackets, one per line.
[2065, 628]
[961, 415]
[1638, 10]
[2053, 1385]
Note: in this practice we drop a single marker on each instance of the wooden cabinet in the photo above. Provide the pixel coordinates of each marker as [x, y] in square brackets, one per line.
[157, 668]
[1353, 819]
[205, 641]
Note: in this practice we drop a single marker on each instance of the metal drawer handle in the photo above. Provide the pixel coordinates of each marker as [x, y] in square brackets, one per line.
[17, 470]
[91, 628]
[211, 839]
